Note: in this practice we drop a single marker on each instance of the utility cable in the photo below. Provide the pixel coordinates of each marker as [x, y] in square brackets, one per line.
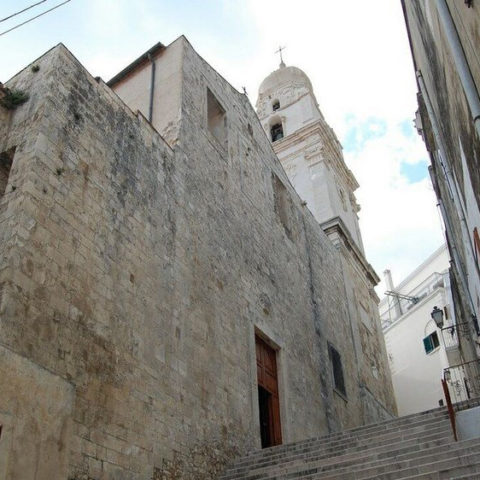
[21, 11]
[33, 18]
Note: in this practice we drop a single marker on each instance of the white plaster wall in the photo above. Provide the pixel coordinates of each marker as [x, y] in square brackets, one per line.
[298, 114]
[416, 375]
[320, 189]
[439, 261]
[134, 90]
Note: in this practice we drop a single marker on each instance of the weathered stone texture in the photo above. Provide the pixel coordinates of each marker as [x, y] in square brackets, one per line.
[452, 141]
[135, 276]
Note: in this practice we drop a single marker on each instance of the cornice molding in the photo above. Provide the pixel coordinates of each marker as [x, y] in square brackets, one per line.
[336, 225]
[326, 146]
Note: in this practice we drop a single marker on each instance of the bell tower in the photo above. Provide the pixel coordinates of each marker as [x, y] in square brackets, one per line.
[308, 149]
[312, 157]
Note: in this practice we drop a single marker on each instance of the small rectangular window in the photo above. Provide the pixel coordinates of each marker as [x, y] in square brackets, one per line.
[6, 160]
[217, 119]
[337, 370]
[431, 342]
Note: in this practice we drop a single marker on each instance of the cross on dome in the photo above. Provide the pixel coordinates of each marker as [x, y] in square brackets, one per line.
[282, 64]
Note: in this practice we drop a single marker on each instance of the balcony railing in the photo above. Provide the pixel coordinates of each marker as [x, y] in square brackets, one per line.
[463, 383]
[452, 333]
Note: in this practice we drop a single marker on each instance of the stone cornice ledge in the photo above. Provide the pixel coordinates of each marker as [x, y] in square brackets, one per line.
[337, 225]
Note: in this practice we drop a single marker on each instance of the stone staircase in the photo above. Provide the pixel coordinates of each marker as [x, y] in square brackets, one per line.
[419, 446]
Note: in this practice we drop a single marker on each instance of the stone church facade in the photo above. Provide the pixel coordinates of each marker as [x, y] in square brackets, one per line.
[311, 155]
[167, 300]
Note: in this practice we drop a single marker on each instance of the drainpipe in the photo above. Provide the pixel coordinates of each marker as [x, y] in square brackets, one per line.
[463, 69]
[152, 87]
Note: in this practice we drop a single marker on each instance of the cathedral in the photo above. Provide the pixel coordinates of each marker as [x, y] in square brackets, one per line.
[182, 278]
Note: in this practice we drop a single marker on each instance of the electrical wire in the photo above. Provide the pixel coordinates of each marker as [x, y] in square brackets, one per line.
[21, 11]
[33, 18]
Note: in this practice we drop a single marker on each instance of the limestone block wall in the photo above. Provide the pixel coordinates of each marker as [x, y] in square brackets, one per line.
[247, 164]
[377, 395]
[134, 278]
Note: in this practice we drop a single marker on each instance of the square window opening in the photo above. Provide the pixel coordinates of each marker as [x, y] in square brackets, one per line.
[282, 204]
[6, 160]
[217, 119]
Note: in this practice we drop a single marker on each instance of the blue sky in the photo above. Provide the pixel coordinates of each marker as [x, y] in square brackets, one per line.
[355, 53]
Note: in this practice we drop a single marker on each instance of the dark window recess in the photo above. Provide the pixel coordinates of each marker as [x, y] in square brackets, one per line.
[337, 369]
[6, 160]
[431, 342]
[282, 204]
[476, 242]
[275, 105]
[277, 132]
[217, 119]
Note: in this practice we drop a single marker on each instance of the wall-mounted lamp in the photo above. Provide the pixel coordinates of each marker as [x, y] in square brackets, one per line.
[437, 315]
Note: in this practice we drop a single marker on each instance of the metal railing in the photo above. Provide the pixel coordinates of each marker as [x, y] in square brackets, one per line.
[452, 333]
[463, 383]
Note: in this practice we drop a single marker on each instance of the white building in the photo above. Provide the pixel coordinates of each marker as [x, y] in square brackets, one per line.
[416, 348]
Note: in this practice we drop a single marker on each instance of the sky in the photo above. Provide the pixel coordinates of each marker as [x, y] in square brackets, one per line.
[356, 54]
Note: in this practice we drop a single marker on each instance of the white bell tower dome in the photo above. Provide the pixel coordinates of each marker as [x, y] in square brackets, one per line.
[308, 149]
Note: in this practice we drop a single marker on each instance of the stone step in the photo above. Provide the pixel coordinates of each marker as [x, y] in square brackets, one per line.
[427, 433]
[395, 471]
[415, 447]
[372, 457]
[472, 473]
[437, 438]
[371, 428]
[466, 472]
[343, 465]
[304, 446]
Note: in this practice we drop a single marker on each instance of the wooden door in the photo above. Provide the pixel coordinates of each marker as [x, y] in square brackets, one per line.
[269, 406]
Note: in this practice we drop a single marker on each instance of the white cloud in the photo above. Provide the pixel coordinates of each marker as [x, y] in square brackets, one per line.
[399, 219]
[358, 59]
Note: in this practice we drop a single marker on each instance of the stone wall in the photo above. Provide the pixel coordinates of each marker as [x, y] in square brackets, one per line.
[455, 147]
[134, 278]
